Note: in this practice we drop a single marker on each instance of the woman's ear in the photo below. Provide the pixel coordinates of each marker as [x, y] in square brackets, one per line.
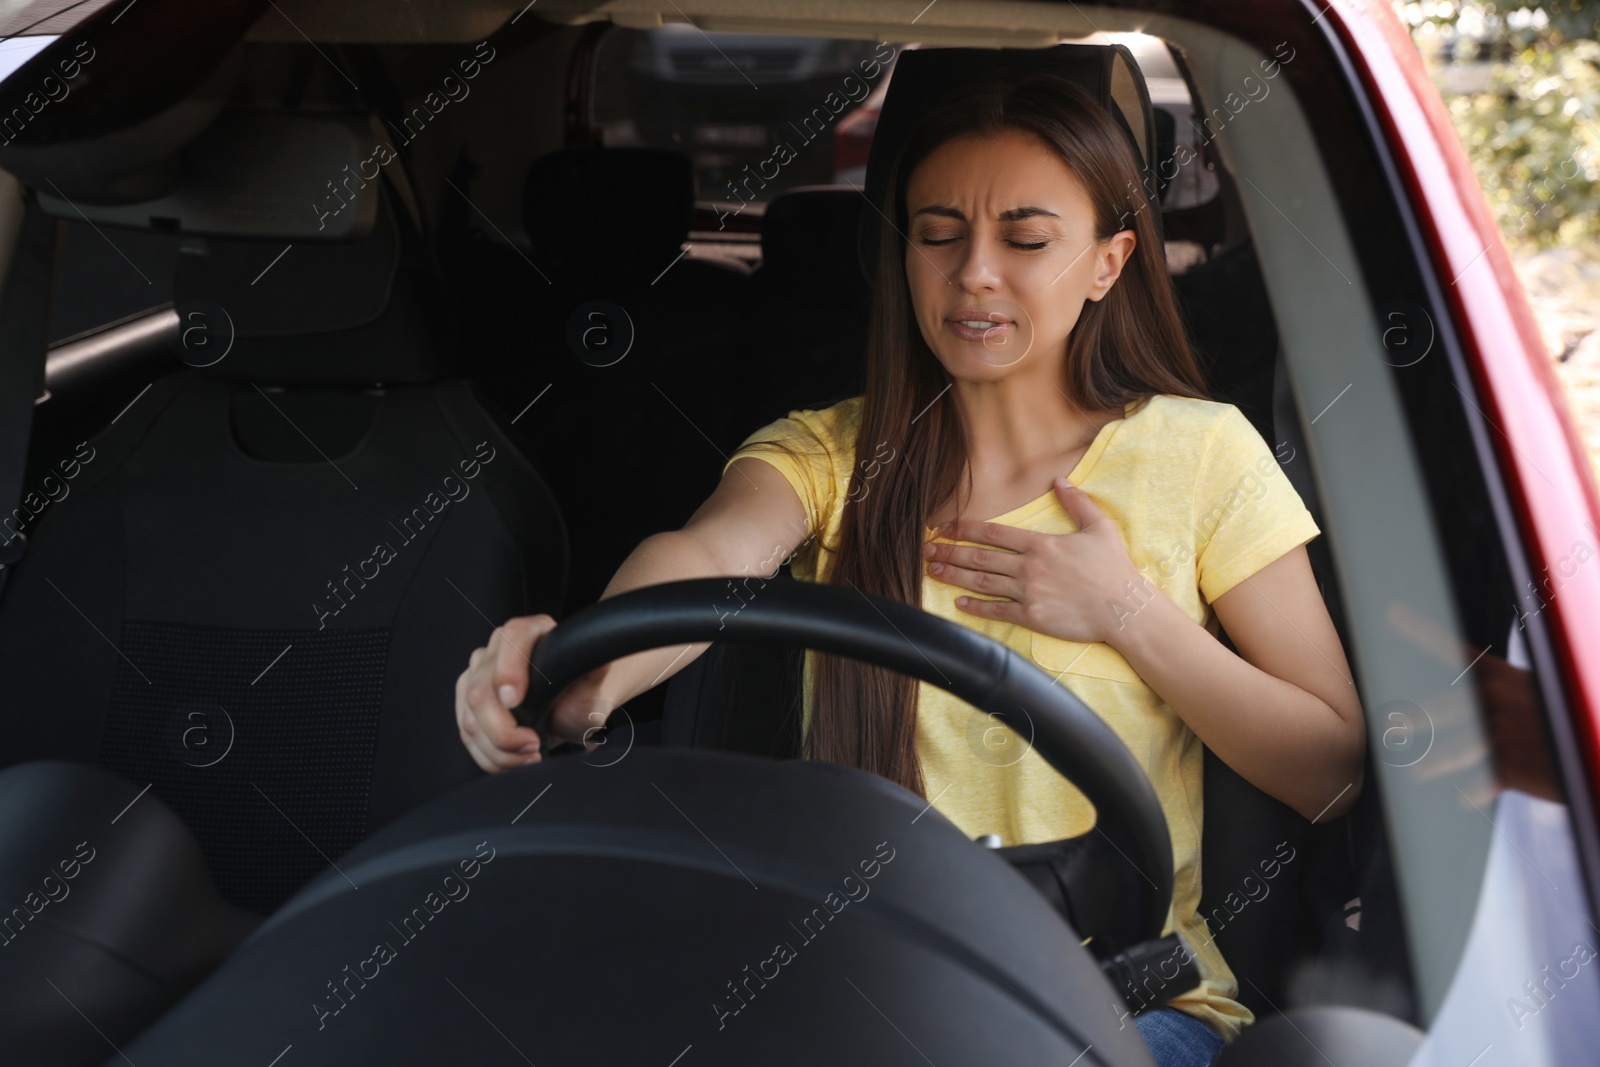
[1110, 255]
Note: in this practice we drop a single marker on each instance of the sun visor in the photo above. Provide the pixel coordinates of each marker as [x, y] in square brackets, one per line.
[263, 175]
[100, 114]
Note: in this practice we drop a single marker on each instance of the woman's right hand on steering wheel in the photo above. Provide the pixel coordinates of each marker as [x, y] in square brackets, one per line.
[496, 680]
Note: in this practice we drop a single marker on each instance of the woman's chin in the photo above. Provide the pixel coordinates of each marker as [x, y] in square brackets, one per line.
[979, 361]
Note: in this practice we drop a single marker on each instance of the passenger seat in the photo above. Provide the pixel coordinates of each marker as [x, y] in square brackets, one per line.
[268, 576]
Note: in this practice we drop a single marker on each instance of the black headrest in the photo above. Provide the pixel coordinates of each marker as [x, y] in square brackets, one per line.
[923, 76]
[618, 213]
[318, 313]
[809, 231]
[309, 288]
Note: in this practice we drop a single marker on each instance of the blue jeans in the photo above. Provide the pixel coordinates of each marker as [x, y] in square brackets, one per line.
[1178, 1039]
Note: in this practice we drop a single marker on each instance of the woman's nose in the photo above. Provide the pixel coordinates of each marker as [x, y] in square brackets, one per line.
[978, 269]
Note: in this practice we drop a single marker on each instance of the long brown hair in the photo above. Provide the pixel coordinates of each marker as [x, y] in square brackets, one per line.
[1127, 346]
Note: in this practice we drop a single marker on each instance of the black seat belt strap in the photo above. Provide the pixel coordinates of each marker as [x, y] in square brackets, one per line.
[1288, 431]
[1286, 428]
[24, 344]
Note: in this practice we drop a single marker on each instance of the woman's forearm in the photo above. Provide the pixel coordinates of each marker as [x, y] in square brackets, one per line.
[1286, 741]
[663, 557]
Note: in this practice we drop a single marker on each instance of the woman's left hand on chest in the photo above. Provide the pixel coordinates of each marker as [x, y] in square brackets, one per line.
[1064, 585]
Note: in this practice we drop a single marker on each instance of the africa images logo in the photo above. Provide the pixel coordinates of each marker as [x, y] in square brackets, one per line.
[410, 527]
[51, 90]
[813, 124]
[453, 889]
[452, 89]
[855, 890]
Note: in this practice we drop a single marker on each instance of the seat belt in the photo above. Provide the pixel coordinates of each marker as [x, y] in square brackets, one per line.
[24, 344]
[1287, 431]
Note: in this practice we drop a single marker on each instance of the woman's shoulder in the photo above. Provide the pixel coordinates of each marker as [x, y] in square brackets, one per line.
[833, 426]
[1190, 435]
[1172, 410]
[842, 419]
[845, 415]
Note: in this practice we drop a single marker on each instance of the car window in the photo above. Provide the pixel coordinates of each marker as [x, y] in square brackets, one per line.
[1193, 180]
[108, 273]
[1481, 841]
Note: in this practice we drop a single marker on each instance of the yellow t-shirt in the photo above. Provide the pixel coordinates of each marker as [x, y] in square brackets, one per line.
[1201, 505]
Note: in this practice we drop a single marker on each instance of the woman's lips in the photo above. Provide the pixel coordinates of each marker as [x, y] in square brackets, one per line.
[989, 334]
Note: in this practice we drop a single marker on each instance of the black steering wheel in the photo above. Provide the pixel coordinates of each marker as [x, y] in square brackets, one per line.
[1075, 741]
[725, 903]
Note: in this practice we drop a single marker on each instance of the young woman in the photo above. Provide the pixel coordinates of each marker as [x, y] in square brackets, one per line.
[1036, 457]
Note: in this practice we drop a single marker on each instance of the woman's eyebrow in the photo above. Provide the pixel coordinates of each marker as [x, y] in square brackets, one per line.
[1009, 215]
[1025, 212]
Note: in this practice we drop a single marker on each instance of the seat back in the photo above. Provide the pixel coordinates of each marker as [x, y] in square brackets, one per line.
[271, 570]
[109, 896]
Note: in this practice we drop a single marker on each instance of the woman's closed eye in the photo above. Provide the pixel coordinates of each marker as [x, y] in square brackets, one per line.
[1034, 246]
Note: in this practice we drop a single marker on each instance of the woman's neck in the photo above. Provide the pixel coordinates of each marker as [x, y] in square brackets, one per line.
[1016, 427]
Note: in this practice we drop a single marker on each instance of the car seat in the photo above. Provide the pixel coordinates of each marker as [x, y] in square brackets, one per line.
[112, 914]
[261, 590]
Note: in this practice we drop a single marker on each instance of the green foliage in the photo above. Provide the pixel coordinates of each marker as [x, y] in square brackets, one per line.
[1534, 141]
[1521, 20]
[1571, 19]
